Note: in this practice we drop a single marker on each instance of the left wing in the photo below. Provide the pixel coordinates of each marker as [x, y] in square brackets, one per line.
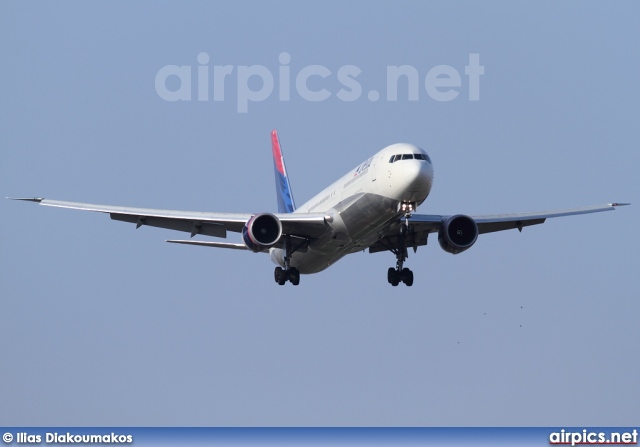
[500, 222]
[303, 225]
[424, 224]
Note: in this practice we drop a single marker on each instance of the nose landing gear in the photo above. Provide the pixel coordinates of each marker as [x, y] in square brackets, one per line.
[401, 273]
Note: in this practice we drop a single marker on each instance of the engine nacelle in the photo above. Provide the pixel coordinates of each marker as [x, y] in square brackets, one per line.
[261, 232]
[457, 234]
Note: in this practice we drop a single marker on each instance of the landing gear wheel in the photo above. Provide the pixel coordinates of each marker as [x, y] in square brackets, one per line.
[280, 276]
[392, 276]
[294, 276]
[407, 277]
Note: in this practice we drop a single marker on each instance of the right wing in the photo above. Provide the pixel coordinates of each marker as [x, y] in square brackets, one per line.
[300, 225]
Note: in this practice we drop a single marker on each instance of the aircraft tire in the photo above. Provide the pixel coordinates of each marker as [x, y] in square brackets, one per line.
[393, 277]
[280, 276]
[391, 273]
[294, 276]
[407, 277]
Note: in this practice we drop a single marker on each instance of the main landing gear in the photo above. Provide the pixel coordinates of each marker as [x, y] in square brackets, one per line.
[400, 273]
[282, 276]
[288, 273]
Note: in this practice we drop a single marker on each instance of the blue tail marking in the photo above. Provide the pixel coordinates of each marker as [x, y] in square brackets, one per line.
[283, 188]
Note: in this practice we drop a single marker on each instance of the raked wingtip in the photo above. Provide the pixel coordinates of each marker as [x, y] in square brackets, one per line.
[27, 199]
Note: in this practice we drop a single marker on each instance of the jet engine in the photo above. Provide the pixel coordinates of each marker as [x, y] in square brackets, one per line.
[457, 234]
[261, 232]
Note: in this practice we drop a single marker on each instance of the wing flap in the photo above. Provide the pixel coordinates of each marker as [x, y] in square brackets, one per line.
[190, 226]
[491, 227]
[414, 240]
[210, 244]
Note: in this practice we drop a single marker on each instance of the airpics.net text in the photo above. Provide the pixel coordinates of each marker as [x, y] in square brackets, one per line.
[255, 83]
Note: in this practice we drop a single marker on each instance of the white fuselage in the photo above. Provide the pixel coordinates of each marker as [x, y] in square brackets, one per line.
[365, 203]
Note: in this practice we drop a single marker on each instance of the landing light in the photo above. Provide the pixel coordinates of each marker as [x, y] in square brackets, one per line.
[406, 207]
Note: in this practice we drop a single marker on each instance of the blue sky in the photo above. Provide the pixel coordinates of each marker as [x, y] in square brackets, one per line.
[102, 324]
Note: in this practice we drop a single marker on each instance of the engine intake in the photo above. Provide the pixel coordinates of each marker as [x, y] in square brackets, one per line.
[457, 234]
[261, 232]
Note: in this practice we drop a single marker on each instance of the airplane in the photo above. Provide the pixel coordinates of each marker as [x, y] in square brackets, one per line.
[371, 207]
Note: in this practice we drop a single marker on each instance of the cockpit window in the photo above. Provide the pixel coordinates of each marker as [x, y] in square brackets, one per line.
[424, 157]
[397, 157]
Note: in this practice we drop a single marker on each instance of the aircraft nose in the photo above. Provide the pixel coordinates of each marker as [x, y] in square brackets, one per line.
[418, 175]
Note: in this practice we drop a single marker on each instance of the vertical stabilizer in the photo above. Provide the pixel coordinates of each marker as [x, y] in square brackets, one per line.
[283, 188]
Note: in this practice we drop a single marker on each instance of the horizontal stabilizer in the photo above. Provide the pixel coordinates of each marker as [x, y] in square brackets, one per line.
[210, 244]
